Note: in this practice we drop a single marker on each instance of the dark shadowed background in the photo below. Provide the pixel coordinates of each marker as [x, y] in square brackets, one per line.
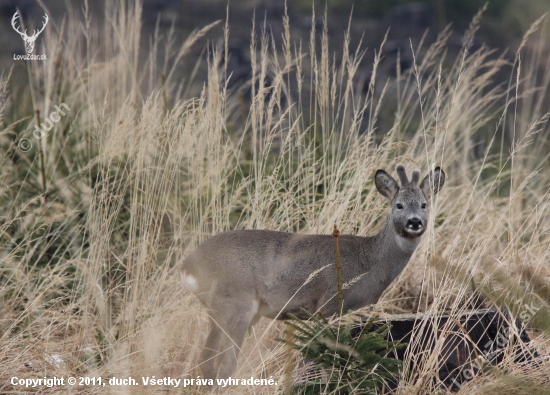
[404, 21]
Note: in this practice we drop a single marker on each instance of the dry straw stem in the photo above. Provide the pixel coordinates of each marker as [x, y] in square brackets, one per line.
[142, 170]
[335, 234]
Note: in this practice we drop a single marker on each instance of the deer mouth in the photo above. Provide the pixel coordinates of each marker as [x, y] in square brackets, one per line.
[411, 233]
[414, 227]
[414, 231]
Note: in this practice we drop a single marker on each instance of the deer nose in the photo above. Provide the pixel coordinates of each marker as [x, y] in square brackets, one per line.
[414, 223]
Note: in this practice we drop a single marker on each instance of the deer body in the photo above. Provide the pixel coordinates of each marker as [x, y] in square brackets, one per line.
[242, 275]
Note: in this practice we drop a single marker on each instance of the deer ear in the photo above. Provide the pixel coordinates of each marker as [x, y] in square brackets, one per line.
[433, 182]
[385, 184]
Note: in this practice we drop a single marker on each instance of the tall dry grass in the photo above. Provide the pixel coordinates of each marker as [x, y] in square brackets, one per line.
[145, 167]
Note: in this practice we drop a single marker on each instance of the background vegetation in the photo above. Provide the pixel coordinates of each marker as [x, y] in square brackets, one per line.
[145, 166]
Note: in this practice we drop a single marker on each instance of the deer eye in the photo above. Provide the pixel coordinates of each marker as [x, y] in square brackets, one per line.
[423, 205]
[399, 206]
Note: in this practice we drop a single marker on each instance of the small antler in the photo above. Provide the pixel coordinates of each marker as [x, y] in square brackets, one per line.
[415, 177]
[35, 34]
[402, 173]
[13, 21]
[403, 179]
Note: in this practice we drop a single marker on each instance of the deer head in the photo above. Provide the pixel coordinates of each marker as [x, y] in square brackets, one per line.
[29, 40]
[409, 208]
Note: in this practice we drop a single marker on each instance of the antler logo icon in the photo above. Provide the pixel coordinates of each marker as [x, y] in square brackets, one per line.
[29, 40]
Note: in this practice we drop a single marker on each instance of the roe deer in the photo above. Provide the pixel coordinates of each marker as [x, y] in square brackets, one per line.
[242, 275]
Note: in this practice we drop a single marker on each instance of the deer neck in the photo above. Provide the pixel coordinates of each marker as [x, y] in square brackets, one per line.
[391, 251]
